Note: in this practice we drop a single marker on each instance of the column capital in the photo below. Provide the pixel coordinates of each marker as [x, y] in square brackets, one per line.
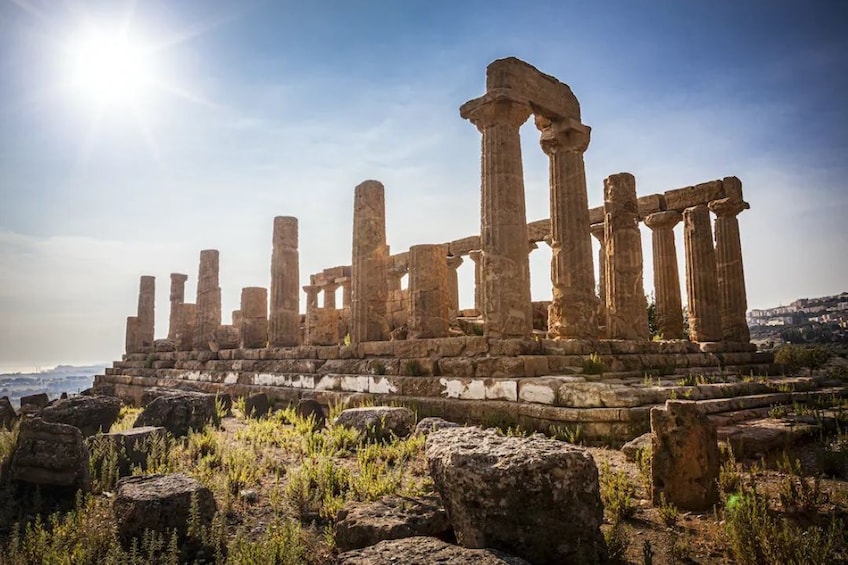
[397, 270]
[329, 286]
[312, 290]
[663, 220]
[727, 207]
[176, 277]
[475, 255]
[496, 107]
[342, 281]
[565, 134]
[454, 261]
[597, 230]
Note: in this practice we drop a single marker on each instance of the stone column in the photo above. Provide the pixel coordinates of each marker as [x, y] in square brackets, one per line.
[477, 257]
[597, 230]
[627, 309]
[253, 327]
[666, 278]
[428, 292]
[507, 311]
[311, 291]
[453, 263]
[329, 290]
[186, 330]
[704, 304]
[131, 340]
[237, 317]
[574, 306]
[394, 273]
[284, 318]
[731, 274]
[344, 282]
[370, 256]
[208, 299]
[178, 281]
[146, 307]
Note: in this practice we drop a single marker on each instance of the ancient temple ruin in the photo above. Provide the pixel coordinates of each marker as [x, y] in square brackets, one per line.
[587, 359]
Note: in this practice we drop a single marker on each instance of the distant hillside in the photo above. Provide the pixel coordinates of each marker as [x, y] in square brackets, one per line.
[806, 320]
[63, 378]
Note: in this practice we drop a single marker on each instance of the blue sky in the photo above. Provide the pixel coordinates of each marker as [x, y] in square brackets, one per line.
[281, 108]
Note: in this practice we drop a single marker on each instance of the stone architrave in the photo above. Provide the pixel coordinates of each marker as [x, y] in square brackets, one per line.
[178, 281]
[597, 230]
[185, 332]
[208, 299]
[666, 278]
[453, 263]
[429, 303]
[311, 291]
[284, 317]
[253, 330]
[731, 274]
[146, 306]
[627, 309]
[574, 306]
[370, 256]
[704, 303]
[506, 307]
[476, 255]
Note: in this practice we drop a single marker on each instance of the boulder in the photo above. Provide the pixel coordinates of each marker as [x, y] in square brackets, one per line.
[132, 446]
[427, 425]
[311, 408]
[685, 459]
[38, 400]
[361, 524]
[378, 422]
[423, 550]
[256, 405]
[533, 497]
[91, 414]
[152, 393]
[632, 448]
[50, 454]
[8, 416]
[179, 413]
[160, 503]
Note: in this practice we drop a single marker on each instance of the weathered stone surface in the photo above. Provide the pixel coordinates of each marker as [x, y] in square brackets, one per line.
[50, 454]
[392, 517]
[177, 297]
[429, 302]
[161, 503]
[704, 308]
[684, 456]
[729, 269]
[131, 446]
[632, 448]
[370, 260]
[8, 416]
[378, 422]
[179, 413]
[91, 414]
[145, 316]
[164, 346]
[311, 408]
[208, 316]
[669, 305]
[424, 550]
[223, 338]
[533, 497]
[256, 405]
[253, 326]
[284, 317]
[427, 425]
[187, 318]
[39, 400]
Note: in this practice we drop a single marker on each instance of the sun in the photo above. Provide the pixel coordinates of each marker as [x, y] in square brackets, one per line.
[110, 69]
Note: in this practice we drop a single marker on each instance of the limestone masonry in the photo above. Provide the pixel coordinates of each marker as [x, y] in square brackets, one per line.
[586, 358]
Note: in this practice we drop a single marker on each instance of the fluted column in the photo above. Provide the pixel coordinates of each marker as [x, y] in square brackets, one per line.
[666, 278]
[146, 308]
[284, 314]
[177, 297]
[131, 339]
[597, 230]
[503, 228]
[311, 291]
[428, 291]
[185, 331]
[477, 256]
[627, 312]
[453, 262]
[730, 271]
[574, 306]
[370, 256]
[253, 325]
[704, 304]
[208, 299]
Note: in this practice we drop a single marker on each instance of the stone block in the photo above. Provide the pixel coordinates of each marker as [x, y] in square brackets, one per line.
[682, 198]
[535, 365]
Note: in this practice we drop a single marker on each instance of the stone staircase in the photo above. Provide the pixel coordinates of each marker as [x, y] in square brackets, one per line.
[601, 389]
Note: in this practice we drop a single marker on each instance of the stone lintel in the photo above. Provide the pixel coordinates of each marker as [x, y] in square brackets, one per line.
[464, 246]
[549, 96]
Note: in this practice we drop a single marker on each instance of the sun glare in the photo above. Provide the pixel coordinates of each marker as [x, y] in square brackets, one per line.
[110, 69]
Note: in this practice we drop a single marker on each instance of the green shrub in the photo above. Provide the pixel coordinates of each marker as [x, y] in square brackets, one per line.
[593, 365]
[617, 492]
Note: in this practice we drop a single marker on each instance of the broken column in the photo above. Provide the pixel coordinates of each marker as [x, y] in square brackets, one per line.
[178, 281]
[729, 269]
[146, 307]
[284, 316]
[669, 306]
[370, 255]
[506, 307]
[477, 256]
[253, 323]
[208, 299]
[574, 306]
[597, 230]
[131, 343]
[704, 305]
[627, 309]
[311, 291]
[453, 263]
[185, 331]
[428, 291]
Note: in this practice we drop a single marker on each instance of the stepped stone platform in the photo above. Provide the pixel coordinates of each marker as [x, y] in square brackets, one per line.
[606, 387]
